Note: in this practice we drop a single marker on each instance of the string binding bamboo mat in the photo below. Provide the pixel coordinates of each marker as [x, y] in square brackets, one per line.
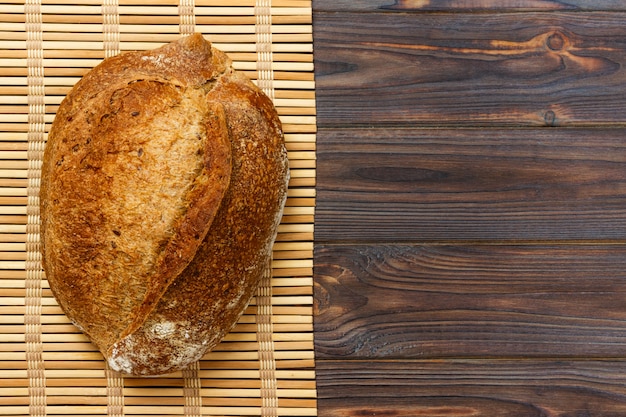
[265, 366]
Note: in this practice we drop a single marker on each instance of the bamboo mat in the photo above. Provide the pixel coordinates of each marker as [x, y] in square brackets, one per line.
[265, 366]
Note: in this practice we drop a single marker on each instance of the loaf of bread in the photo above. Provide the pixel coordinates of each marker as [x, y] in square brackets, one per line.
[163, 183]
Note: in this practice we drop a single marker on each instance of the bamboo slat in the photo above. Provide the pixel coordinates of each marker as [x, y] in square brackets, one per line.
[265, 366]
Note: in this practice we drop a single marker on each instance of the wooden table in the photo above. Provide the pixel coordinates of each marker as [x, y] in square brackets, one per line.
[470, 255]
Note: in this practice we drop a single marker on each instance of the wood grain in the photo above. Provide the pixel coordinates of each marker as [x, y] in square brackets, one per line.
[470, 220]
[472, 69]
[466, 5]
[401, 301]
[483, 388]
[471, 184]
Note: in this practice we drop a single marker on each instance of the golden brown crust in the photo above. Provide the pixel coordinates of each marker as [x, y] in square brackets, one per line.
[164, 179]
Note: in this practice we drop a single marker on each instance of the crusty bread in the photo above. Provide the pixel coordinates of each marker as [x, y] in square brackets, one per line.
[163, 183]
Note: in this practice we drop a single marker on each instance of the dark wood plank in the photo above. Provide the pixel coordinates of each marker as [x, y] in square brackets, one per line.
[399, 302]
[500, 6]
[472, 388]
[521, 69]
[470, 184]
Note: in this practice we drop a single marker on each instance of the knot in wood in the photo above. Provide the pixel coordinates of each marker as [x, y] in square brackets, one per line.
[556, 41]
[550, 118]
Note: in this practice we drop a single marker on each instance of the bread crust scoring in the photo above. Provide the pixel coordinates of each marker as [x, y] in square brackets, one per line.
[163, 183]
